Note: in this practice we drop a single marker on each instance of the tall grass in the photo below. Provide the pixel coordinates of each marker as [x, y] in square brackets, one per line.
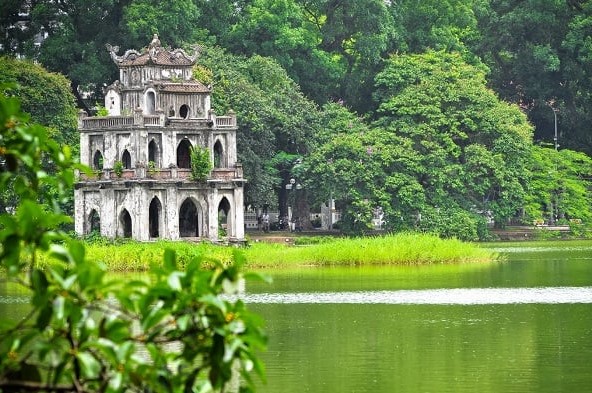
[402, 249]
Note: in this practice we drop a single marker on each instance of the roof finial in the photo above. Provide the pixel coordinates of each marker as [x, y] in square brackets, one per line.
[155, 43]
[154, 47]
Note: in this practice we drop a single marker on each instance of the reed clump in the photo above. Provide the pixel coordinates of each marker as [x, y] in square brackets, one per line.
[397, 249]
[139, 256]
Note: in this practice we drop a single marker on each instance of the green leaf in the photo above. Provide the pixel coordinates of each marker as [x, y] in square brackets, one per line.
[90, 366]
[170, 259]
[44, 317]
[183, 322]
[77, 251]
[174, 281]
[39, 281]
[115, 383]
[58, 307]
[60, 252]
[214, 301]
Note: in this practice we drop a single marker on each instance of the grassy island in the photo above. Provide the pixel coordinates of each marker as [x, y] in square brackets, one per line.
[402, 249]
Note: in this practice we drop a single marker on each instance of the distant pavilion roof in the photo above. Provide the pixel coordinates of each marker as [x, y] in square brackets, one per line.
[154, 54]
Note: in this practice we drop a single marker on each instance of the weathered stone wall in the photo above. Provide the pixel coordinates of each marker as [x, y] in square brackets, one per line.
[157, 112]
[109, 200]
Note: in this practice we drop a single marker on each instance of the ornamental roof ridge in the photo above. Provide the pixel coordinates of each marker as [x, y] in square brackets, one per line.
[153, 54]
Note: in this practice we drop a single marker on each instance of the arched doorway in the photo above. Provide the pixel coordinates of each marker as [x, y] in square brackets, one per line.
[224, 219]
[125, 224]
[184, 154]
[126, 159]
[98, 160]
[154, 217]
[218, 155]
[150, 103]
[153, 153]
[94, 222]
[188, 219]
[184, 111]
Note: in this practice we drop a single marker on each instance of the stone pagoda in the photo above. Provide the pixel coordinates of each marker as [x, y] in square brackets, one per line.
[142, 187]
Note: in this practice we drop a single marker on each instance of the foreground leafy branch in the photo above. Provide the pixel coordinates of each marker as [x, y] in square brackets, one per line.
[86, 332]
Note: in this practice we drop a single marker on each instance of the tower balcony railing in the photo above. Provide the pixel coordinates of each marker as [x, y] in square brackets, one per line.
[152, 120]
[225, 121]
[174, 174]
[159, 120]
[107, 122]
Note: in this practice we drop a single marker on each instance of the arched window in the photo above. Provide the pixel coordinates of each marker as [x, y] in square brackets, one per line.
[95, 221]
[153, 153]
[125, 224]
[223, 218]
[98, 160]
[219, 155]
[154, 217]
[150, 103]
[126, 159]
[188, 219]
[184, 154]
[184, 111]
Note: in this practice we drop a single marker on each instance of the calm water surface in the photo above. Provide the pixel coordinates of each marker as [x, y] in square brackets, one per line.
[524, 325]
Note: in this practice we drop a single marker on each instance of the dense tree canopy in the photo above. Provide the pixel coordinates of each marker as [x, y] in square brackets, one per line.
[409, 77]
[537, 51]
[46, 97]
[561, 187]
[538, 55]
[443, 147]
[277, 123]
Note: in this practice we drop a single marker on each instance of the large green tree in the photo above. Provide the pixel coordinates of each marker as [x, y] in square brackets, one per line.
[70, 36]
[473, 146]
[44, 95]
[538, 54]
[48, 100]
[176, 22]
[434, 24]
[444, 152]
[331, 48]
[74, 35]
[561, 187]
[277, 124]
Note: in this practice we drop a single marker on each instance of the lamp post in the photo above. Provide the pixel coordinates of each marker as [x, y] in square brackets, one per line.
[555, 110]
[292, 206]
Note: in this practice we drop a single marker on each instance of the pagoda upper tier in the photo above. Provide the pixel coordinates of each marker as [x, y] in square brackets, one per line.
[156, 63]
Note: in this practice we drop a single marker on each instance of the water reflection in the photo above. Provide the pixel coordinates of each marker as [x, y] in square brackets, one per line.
[460, 296]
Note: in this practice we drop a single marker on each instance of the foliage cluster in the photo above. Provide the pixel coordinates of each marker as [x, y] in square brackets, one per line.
[118, 168]
[86, 332]
[46, 96]
[201, 164]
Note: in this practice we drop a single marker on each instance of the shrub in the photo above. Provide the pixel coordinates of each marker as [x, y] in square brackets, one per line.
[201, 164]
[118, 168]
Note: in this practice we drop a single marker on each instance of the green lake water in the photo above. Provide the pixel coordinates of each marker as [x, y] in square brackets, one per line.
[524, 325]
